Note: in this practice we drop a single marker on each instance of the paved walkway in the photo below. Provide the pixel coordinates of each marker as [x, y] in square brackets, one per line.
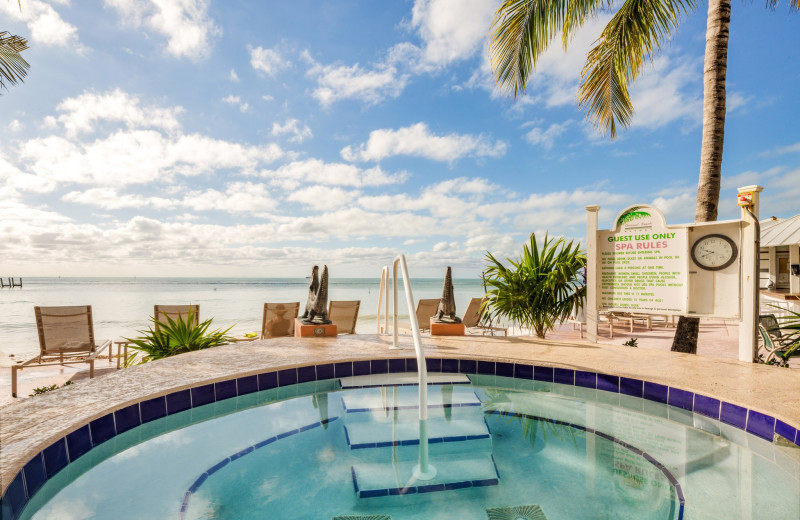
[718, 339]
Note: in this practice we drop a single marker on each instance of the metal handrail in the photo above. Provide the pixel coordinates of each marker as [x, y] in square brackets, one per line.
[424, 470]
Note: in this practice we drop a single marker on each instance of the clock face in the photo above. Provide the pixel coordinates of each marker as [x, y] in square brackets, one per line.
[714, 252]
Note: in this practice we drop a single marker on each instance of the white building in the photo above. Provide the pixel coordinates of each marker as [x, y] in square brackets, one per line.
[779, 261]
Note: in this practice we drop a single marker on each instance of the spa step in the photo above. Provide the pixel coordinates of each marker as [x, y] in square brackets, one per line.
[374, 434]
[380, 480]
[402, 378]
[406, 397]
[411, 415]
[386, 454]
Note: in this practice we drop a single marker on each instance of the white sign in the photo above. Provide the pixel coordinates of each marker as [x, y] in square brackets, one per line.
[642, 264]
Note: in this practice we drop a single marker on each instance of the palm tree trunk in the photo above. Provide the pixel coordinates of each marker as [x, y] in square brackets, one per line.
[715, 68]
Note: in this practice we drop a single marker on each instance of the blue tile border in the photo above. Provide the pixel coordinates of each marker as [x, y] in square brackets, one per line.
[55, 457]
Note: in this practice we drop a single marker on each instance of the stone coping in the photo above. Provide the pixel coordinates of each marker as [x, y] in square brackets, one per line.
[28, 426]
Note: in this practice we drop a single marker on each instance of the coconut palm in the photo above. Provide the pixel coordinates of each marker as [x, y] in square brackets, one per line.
[539, 290]
[522, 30]
[13, 66]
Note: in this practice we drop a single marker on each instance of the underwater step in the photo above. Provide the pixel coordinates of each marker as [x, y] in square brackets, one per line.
[380, 480]
[411, 415]
[387, 454]
[373, 434]
[407, 397]
[402, 378]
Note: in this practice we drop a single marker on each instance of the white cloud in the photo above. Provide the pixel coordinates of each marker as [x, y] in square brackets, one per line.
[45, 24]
[667, 93]
[292, 127]
[238, 197]
[236, 100]
[139, 157]
[452, 29]
[233, 76]
[294, 174]
[418, 141]
[81, 113]
[110, 199]
[268, 61]
[185, 23]
[15, 125]
[338, 82]
[781, 150]
[324, 197]
[546, 138]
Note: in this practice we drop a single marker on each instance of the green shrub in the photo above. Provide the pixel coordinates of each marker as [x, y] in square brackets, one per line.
[173, 338]
[44, 389]
[633, 342]
[539, 290]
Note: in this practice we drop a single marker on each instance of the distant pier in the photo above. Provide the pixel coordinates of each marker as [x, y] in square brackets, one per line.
[11, 283]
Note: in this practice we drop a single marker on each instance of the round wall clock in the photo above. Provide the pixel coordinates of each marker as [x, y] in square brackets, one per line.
[714, 252]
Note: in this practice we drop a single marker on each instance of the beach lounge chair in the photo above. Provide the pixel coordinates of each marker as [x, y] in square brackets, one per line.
[279, 319]
[66, 336]
[473, 319]
[344, 314]
[175, 313]
[426, 308]
[631, 318]
[772, 349]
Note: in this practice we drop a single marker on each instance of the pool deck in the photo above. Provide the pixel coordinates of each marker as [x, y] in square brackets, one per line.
[29, 425]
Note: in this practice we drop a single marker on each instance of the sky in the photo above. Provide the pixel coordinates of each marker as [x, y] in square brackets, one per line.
[257, 138]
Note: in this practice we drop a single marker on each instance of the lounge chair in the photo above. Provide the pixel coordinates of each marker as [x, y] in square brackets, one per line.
[772, 349]
[344, 314]
[160, 315]
[426, 308]
[631, 318]
[473, 319]
[175, 313]
[279, 319]
[66, 336]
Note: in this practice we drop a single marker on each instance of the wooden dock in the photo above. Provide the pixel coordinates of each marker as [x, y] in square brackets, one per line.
[11, 283]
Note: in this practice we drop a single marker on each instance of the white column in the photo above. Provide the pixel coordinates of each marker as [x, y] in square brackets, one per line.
[748, 346]
[591, 272]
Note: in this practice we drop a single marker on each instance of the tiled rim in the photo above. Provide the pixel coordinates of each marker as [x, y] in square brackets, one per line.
[69, 448]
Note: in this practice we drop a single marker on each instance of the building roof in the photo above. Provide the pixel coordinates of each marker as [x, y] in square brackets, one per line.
[775, 232]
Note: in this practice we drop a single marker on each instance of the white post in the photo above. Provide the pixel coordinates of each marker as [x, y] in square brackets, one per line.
[384, 287]
[748, 324]
[591, 273]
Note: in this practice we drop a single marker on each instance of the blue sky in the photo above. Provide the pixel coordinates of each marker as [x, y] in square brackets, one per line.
[255, 138]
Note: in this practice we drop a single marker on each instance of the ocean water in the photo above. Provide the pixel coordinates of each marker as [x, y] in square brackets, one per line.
[122, 306]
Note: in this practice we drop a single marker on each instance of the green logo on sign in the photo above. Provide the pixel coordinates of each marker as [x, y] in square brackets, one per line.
[632, 215]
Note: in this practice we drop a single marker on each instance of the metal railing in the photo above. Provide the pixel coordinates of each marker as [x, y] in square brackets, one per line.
[424, 470]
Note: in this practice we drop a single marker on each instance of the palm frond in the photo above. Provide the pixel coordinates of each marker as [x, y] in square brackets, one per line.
[794, 5]
[521, 31]
[540, 289]
[13, 66]
[634, 34]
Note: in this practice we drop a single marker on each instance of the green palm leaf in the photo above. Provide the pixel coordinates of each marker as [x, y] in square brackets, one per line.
[175, 337]
[633, 35]
[13, 66]
[540, 289]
